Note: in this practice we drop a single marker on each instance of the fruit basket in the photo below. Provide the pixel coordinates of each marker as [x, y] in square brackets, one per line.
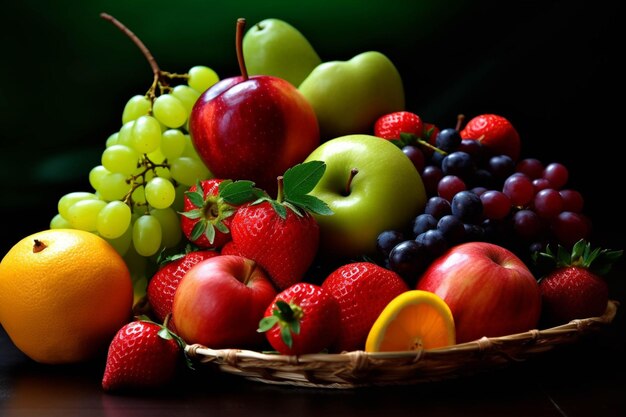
[360, 369]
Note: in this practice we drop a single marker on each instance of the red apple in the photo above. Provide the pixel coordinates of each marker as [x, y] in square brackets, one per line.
[489, 290]
[220, 301]
[253, 128]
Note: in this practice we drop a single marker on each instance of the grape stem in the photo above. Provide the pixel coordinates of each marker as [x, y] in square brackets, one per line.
[133, 180]
[160, 77]
[459, 121]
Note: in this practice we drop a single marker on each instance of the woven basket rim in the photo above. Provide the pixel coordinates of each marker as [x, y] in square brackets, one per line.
[359, 368]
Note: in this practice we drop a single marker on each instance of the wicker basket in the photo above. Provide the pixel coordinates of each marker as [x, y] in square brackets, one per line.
[359, 368]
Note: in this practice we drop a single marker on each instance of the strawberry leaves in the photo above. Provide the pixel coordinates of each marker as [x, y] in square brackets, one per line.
[599, 261]
[293, 191]
[287, 316]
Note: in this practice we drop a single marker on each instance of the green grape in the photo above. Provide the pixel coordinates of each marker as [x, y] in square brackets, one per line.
[156, 156]
[190, 150]
[160, 193]
[83, 214]
[96, 174]
[120, 158]
[146, 134]
[147, 235]
[123, 242]
[113, 186]
[172, 143]
[188, 170]
[112, 139]
[201, 78]
[170, 226]
[169, 110]
[136, 107]
[59, 222]
[125, 135]
[138, 196]
[187, 95]
[113, 219]
[68, 200]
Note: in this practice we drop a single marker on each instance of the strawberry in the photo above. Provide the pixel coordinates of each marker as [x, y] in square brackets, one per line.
[206, 215]
[575, 289]
[302, 319]
[163, 284]
[282, 235]
[142, 355]
[495, 133]
[430, 133]
[363, 289]
[389, 126]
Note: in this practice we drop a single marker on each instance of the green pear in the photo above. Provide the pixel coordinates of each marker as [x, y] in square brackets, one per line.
[349, 96]
[274, 47]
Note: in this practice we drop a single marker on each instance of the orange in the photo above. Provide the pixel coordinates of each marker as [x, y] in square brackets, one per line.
[63, 295]
[413, 320]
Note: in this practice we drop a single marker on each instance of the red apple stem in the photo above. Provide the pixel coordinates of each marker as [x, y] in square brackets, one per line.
[241, 25]
[459, 121]
[353, 173]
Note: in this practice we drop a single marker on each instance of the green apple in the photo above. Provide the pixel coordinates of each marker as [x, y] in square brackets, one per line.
[386, 192]
[348, 96]
[274, 47]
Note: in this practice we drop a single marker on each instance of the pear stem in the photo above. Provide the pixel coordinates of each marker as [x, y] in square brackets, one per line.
[241, 24]
[353, 173]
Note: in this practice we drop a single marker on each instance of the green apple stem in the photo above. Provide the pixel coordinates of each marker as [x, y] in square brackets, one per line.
[241, 25]
[353, 173]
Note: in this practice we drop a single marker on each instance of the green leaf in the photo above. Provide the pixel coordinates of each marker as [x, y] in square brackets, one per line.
[240, 192]
[193, 214]
[284, 310]
[198, 229]
[165, 334]
[266, 323]
[195, 197]
[209, 232]
[312, 204]
[295, 326]
[279, 208]
[294, 208]
[302, 178]
[222, 227]
[285, 333]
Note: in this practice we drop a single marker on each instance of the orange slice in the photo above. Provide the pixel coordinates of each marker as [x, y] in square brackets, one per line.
[413, 320]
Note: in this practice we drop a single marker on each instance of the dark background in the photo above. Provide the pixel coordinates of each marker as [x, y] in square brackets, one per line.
[551, 67]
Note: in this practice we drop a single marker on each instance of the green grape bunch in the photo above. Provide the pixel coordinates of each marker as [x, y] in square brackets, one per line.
[146, 166]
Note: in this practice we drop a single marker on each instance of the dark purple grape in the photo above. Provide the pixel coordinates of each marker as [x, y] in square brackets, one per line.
[460, 164]
[452, 229]
[423, 222]
[474, 232]
[448, 139]
[437, 158]
[437, 207]
[416, 156]
[387, 239]
[431, 177]
[474, 148]
[409, 259]
[569, 227]
[527, 224]
[433, 241]
[501, 166]
[467, 207]
[483, 178]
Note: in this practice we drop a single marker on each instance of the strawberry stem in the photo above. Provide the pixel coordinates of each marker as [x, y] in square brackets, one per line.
[280, 195]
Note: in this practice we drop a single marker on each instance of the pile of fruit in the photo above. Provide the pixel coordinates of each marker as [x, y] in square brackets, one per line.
[297, 208]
